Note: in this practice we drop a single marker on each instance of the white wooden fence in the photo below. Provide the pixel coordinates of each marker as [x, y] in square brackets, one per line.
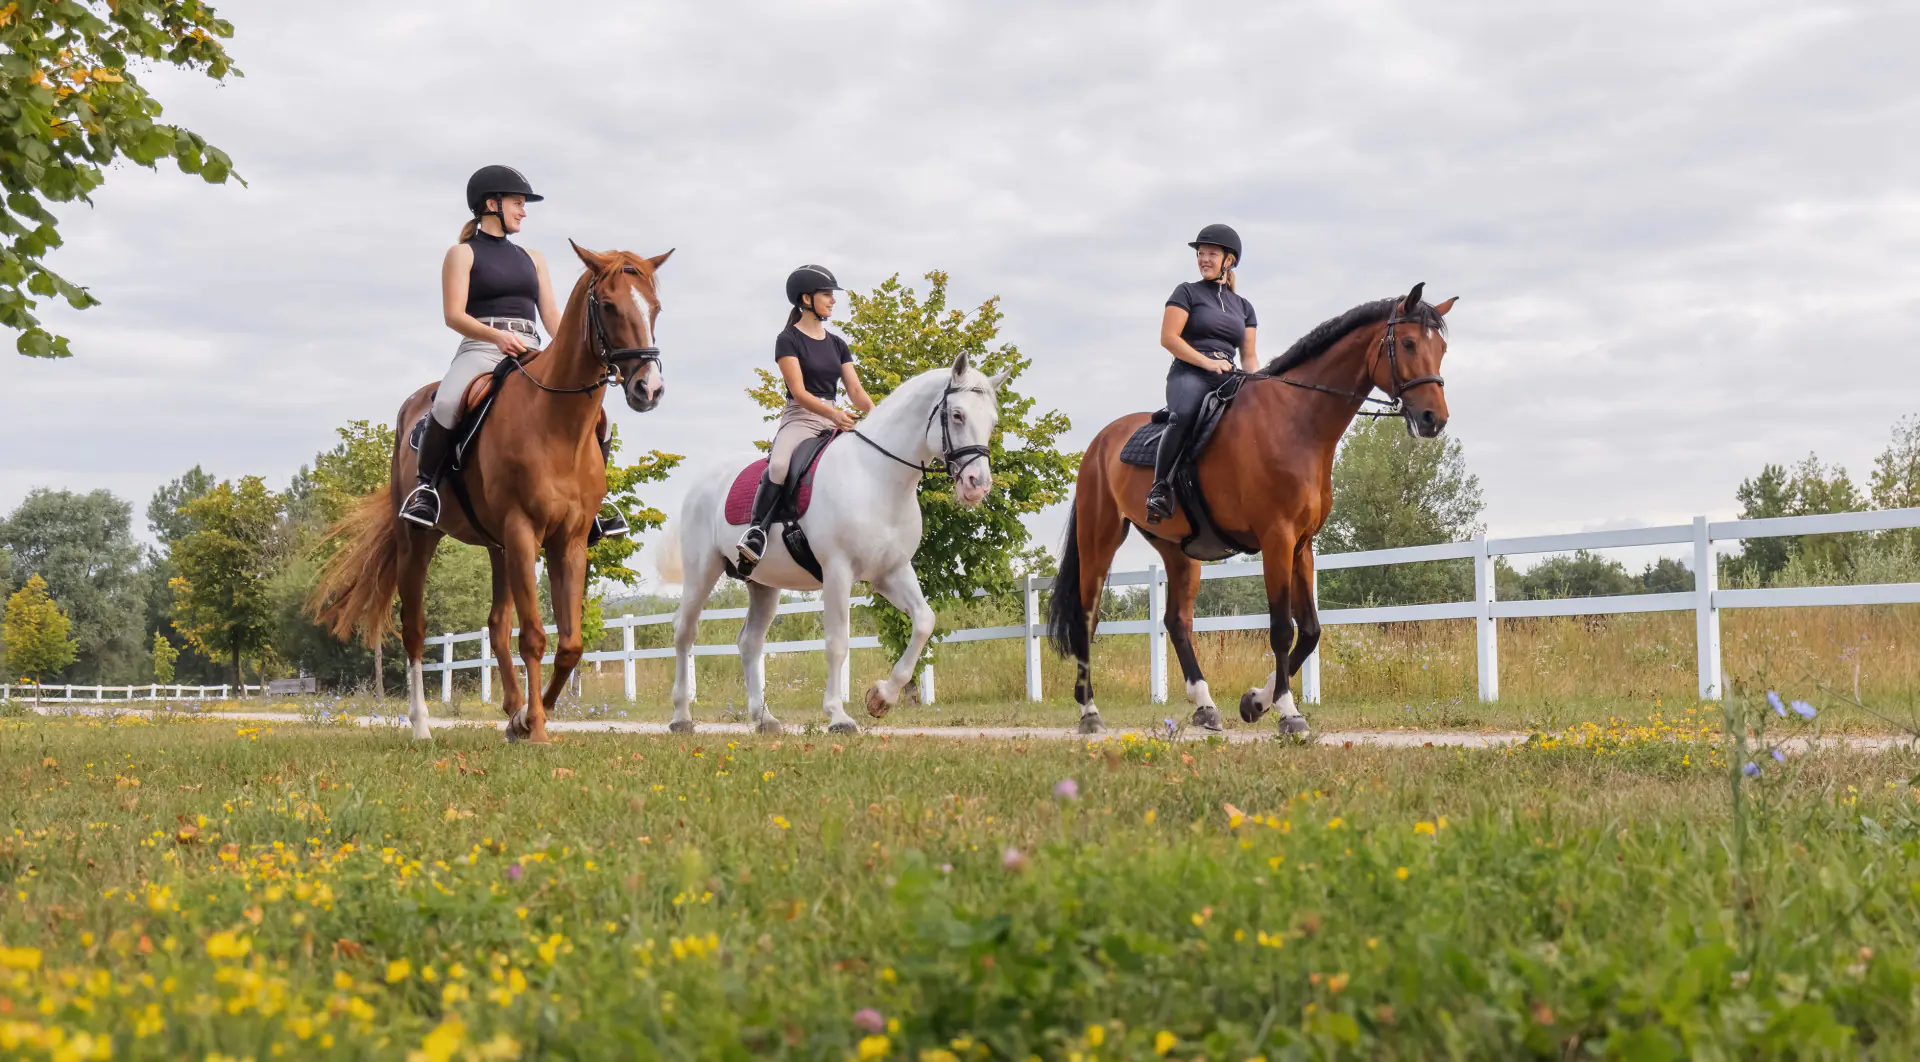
[109, 694]
[1705, 601]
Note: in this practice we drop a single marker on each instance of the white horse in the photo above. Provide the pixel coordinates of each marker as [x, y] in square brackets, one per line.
[863, 525]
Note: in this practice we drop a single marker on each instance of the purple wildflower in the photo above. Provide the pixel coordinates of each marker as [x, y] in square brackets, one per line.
[1751, 769]
[1804, 710]
[1013, 859]
[870, 1020]
[514, 872]
[1779, 755]
[1779, 706]
[1066, 789]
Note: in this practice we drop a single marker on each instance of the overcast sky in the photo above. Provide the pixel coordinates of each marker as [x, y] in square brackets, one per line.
[1686, 237]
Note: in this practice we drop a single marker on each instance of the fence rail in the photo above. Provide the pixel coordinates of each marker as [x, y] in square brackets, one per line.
[1705, 600]
[156, 691]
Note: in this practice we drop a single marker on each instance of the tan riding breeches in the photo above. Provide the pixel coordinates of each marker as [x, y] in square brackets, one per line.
[797, 425]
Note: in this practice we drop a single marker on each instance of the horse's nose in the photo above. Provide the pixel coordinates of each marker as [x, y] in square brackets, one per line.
[1431, 423]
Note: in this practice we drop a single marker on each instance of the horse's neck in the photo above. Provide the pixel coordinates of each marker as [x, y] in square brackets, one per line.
[1346, 367]
[900, 422]
[568, 363]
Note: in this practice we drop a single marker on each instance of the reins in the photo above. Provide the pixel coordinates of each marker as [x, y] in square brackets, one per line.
[1391, 407]
[951, 457]
[602, 346]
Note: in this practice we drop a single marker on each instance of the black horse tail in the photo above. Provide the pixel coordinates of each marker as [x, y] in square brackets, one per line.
[1066, 617]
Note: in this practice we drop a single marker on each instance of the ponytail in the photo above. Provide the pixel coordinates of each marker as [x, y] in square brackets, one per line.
[794, 317]
[1226, 271]
[467, 230]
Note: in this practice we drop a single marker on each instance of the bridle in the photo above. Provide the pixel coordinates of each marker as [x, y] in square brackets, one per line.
[603, 348]
[1392, 407]
[952, 458]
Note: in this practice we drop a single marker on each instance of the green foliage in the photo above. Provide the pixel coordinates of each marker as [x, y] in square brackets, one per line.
[359, 464]
[607, 560]
[1391, 489]
[164, 656]
[36, 632]
[895, 334]
[69, 107]
[82, 545]
[1807, 489]
[225, 562]
[1666, 576]
[164, 517]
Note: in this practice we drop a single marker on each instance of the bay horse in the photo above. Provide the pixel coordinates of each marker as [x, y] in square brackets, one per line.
[863, 525]
[1268, 479]
[536, 477]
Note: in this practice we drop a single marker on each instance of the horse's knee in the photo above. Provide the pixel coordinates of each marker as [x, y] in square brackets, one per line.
[923, 622]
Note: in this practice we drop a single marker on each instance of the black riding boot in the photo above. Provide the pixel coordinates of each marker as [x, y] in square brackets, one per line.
[423, 505]
[1160, 496]
[753, 544]
[610, 522]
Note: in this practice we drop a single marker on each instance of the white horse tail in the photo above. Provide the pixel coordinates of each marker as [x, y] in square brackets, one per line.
[666, 558]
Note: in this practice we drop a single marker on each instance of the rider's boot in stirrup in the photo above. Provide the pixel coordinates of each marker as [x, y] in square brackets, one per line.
[423, 505]
[610, 522]
[753, 544]
[1160, 496]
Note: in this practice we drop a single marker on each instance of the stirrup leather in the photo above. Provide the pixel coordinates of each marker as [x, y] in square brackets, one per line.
[422, 506]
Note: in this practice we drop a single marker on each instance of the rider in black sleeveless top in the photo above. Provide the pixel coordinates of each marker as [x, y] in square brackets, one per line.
[1205, 323]
[503, 282]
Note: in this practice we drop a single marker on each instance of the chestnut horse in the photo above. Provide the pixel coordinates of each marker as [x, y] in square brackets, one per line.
[536, 477]
[1268, 480]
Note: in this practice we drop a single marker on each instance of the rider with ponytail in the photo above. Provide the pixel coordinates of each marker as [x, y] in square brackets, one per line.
[1205, 324]
[490, 289]
[813, 363]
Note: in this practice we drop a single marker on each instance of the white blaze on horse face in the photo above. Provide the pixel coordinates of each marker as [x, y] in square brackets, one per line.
[652, 381]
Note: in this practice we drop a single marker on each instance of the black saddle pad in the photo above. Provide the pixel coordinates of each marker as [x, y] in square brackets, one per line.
[1144, 446]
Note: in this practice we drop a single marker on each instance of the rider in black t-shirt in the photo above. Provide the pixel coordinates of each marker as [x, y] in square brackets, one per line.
[1205, 323]
[814, 363]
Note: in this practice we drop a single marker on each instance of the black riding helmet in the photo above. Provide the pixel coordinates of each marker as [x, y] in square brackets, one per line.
[493, 182]
[1221, 236]
[808, 279]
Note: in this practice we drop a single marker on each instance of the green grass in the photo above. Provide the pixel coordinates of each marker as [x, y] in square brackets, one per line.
[198, 887]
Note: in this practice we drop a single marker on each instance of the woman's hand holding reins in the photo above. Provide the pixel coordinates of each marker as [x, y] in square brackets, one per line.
[511, 342]
[842, 419]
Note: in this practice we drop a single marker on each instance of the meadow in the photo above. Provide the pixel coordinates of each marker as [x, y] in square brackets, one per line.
[210, 890]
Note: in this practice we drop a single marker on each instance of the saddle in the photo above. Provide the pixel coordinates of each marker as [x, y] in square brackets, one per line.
[1207, 541]
[475, 404]
[796, 495]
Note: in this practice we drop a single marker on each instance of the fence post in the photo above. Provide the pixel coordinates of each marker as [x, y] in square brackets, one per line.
[1486, 628]
[628, 665]
[446, 677]
[1706, 618]
[926, 684]
[1031, 597]
[1156, 634]
[486, 668]
[1310, 670]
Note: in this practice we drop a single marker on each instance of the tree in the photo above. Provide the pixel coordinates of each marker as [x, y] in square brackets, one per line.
[895, 335]
[1583, 574]
[220, 600]
[1896, 480]
[36, 632]
[1666, 576]
[164, 655]
[169, 525]
[1391, 489]
[607, 560]
[1807, 489]
[72, 107]
[82, 546]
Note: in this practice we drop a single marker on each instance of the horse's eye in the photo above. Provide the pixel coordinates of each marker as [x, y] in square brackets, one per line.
[1407, 345]
[959, 417]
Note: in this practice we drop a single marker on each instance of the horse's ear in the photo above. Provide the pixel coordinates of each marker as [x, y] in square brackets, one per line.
[960, 365]
[593, 260]
[1000, 381]
[659, 260]
[1413, 298]
[1442, 308]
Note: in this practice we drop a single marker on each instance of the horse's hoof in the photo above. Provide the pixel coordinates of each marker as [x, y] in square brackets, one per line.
[1250, 707]
[1207, 717]
[770, 725]
[877, 705]
[1091, 724]
[1293, 726]
[681, 726]
[846, 727]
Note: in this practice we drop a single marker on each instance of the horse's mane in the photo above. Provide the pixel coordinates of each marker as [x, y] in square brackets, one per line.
[1332, 330]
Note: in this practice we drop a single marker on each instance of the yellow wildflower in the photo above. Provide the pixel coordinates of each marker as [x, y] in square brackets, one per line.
[1163, 1042]
[874, 1047]
[399, 970]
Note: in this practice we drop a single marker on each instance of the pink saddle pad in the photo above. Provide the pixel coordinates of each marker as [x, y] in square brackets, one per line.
[740, 495]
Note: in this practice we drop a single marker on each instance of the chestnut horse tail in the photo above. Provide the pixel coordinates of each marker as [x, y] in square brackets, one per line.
[1066, 617]
[356, 586]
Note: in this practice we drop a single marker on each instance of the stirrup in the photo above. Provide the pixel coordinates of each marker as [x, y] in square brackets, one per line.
[422, 506]
[614, 526]
[1159, 503]
[752, 544]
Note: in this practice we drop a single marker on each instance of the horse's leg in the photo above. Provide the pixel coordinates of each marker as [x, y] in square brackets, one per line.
[762, 605]
[567, 583]
[902, 587]
[837, 593]
[1098, 532]
[523, 581]
[1183, 583]
[1277, 554]
[702, 571]
[500, 634]
[416, 554]
[1306, 611]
